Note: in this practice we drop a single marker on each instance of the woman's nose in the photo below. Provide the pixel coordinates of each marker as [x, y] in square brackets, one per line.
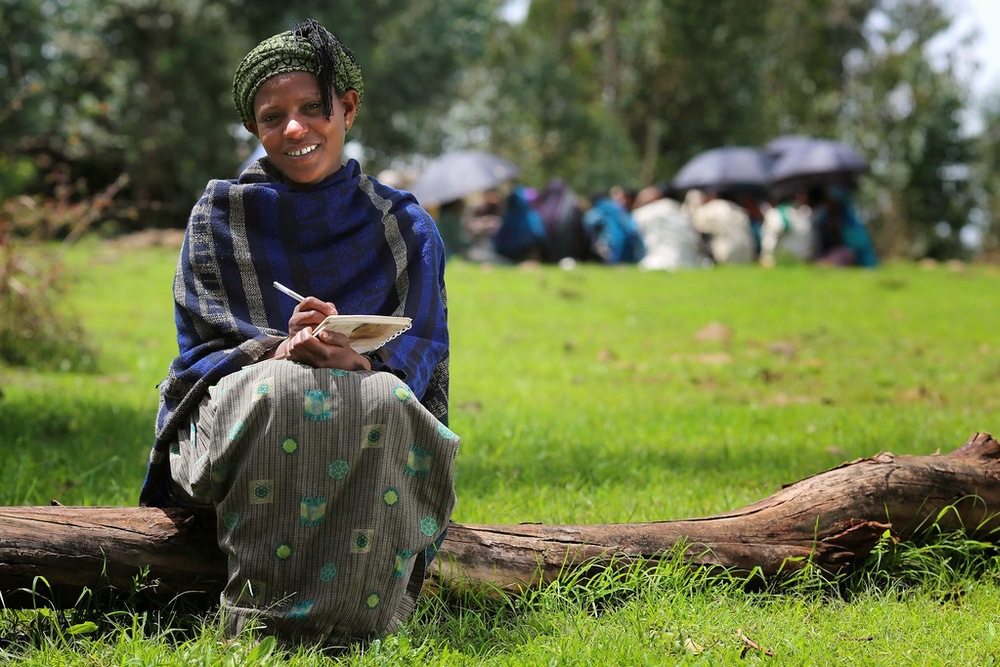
[294, 129]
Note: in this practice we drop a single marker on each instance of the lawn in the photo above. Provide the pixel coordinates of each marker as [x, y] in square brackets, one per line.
[588, 396]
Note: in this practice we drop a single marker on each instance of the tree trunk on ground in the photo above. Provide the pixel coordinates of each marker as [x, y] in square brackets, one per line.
[834, 519]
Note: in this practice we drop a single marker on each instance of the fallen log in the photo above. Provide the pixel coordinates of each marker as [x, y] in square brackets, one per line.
[832, 519]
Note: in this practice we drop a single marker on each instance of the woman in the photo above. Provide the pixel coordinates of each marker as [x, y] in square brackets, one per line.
[329, 475]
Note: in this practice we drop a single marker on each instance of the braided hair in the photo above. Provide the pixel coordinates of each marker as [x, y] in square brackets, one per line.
[308, 47]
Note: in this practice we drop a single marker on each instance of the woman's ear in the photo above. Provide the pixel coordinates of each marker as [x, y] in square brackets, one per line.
[350, 102]
[251, 127]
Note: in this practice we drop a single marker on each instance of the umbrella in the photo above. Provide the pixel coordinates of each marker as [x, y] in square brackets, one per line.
[818, 161]
[787, 142]
[460, 173]
[727, 168]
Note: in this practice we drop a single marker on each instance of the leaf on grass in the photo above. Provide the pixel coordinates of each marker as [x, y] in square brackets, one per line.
[692, 647]
[714, 333]
[783, 348]
[716, 358]
[749, 644]
[84, 628]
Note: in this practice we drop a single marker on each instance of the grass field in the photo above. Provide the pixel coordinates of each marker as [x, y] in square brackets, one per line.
[589, 396]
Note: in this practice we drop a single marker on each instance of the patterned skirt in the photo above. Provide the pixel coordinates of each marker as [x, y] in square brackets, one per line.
[329, 487]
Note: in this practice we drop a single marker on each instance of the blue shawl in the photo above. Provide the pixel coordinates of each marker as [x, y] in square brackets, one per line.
[351, 240]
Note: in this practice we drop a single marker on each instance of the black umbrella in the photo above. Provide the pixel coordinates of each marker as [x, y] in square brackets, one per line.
[455, 175]
[787, 142]
[727, 168]
[818, 161]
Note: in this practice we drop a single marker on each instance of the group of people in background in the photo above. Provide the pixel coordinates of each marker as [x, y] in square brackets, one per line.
[656, 228]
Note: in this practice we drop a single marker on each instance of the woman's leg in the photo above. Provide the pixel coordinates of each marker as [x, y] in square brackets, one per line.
[328, 487]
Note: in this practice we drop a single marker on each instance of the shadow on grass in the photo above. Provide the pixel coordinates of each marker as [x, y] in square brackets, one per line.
[78, 449]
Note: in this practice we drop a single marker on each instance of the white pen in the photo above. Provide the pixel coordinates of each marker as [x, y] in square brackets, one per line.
[295, 295]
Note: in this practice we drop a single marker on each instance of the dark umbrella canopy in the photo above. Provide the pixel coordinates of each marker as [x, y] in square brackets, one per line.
[786, 143]
[818, 160]
[460, 173]
[727, 168]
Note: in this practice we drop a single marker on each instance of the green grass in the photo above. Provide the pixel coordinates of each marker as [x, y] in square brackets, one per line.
[591, 396]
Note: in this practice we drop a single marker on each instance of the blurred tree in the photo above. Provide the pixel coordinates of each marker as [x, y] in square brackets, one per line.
[545, 100]
[989, 176]
[143, 86]
[803, 67]
[663, 80]
[905, 110]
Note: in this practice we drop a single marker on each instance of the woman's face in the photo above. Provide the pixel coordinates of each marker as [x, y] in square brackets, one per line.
[288, 119]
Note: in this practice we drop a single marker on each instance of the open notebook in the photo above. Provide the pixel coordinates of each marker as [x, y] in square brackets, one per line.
[366, 332]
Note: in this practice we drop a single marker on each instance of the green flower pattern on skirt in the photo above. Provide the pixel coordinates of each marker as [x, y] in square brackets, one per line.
[276, 495]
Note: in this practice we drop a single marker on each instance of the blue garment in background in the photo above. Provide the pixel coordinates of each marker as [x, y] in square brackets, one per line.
[853, 231]
[521, 230]
[613, 232]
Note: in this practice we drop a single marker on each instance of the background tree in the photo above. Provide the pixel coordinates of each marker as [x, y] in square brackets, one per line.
[905, 112]
[143, 86]
[598, 92]
[988, 177]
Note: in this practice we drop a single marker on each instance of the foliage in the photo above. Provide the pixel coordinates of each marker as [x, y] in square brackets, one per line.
[907, 113]
[596, 93]
[142, 88]
[988, 176]
[34, 329]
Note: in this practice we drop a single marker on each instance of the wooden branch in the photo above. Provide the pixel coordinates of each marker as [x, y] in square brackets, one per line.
[834, 519]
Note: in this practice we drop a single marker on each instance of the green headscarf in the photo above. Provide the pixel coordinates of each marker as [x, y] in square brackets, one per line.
[308, 47]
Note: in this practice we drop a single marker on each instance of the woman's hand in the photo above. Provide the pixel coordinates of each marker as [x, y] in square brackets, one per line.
[329, 350]
[310, 312]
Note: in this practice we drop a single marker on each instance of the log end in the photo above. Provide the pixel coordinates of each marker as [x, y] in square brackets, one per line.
[979, 446]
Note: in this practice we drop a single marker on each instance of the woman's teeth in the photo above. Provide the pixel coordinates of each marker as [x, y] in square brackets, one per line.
[308, 149]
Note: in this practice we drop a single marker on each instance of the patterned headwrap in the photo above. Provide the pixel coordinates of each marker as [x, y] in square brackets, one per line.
[308, 47]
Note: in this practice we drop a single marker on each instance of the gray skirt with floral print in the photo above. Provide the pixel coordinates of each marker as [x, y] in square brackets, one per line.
[328, 487]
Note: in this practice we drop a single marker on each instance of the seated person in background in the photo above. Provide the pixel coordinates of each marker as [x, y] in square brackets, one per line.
[480, 221]
[449, 224]
[670, 240]
[787, 229]
[613, 234]
[329, 476]
[521, 235]
[562, 219]
[725, 225]
[842, 238]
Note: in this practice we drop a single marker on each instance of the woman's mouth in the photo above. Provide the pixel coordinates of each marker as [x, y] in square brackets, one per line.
[302, 151]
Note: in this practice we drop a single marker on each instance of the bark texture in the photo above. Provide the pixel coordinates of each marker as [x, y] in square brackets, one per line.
[834, 518]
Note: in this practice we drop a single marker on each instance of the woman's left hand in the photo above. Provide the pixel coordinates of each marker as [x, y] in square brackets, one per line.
[329, 350]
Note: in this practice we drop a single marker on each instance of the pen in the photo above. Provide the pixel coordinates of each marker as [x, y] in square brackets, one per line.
[295, 295]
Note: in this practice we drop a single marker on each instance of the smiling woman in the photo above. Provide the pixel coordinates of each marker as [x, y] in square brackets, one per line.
[299, 138]
[329, 471]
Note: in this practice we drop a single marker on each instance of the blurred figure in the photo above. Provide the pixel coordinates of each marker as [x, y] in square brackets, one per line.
[521, 235]
[449, 223]
[624, 197]
[841, 236]
[614, 237]
[753, 203]
[562, 219]
[670, 240]
[725, 226]
[787, 229]
[480, 221]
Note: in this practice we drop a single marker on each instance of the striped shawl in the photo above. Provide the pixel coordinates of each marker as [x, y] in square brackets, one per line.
[353, 241]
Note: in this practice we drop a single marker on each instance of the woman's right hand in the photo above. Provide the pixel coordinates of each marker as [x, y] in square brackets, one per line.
[310, 312]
